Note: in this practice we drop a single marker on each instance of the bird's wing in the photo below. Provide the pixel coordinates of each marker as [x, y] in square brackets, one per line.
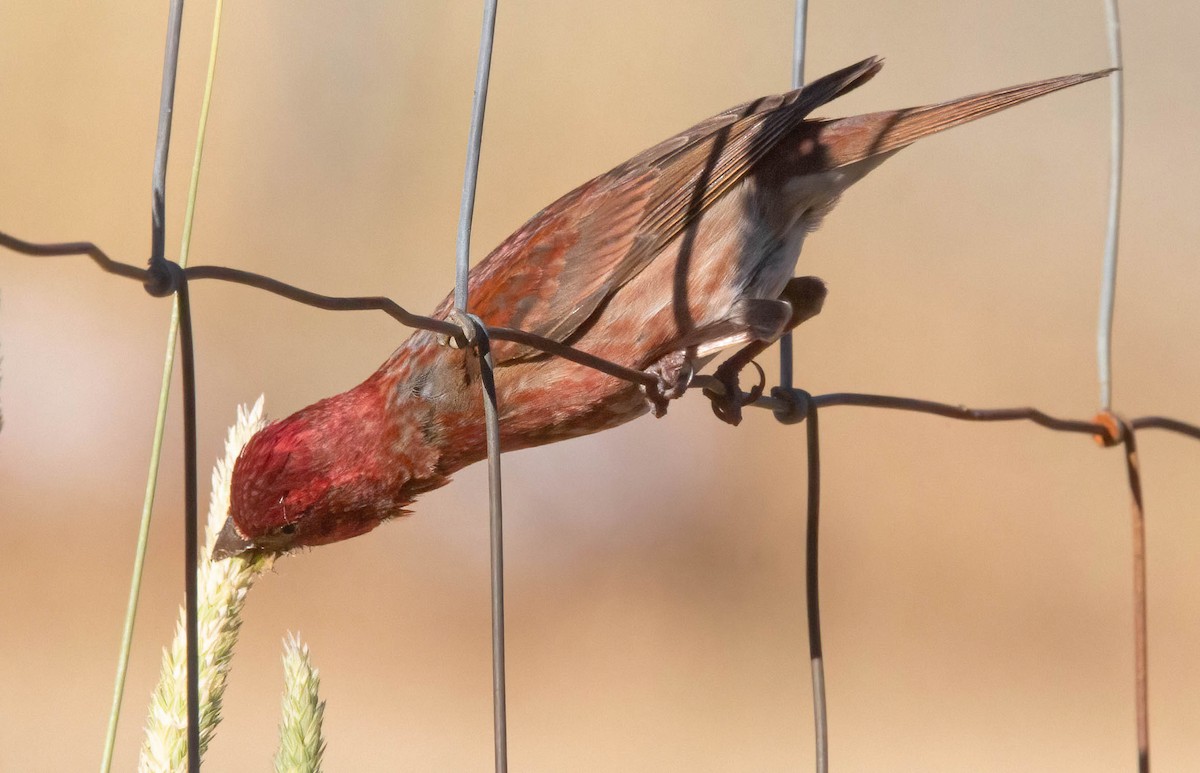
[552, 275]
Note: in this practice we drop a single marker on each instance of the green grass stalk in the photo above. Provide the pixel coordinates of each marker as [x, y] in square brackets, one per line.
[139, 560]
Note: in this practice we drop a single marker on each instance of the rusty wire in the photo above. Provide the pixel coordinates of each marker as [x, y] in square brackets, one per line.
[1104, 328]
[789, 405]
[1141, 636]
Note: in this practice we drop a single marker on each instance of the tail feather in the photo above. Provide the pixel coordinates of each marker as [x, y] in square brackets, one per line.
[829, 87]
[848, 140]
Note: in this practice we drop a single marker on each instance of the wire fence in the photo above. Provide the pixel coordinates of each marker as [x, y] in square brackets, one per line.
[789, 404]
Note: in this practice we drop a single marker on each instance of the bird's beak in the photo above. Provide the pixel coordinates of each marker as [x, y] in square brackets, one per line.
[230, 542]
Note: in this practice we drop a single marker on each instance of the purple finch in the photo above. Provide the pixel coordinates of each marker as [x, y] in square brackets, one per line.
[684, 250]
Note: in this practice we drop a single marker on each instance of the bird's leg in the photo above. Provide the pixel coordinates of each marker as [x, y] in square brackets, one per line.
[805, 296]
[751, 319]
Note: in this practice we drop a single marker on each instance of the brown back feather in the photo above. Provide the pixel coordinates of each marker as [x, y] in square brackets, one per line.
[553, 273]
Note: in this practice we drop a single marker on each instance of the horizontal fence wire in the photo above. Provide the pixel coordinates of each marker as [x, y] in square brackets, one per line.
[788, 404]
[775, 401]
[779, 402]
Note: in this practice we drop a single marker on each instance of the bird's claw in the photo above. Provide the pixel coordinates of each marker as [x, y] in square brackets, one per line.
[672, 375]
[727, 404]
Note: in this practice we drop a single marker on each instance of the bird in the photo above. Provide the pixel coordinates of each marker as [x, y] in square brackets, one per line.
[683, 251]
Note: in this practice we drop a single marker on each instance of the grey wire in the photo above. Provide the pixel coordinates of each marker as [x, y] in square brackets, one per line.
[162, 141]
[462, 269]
[496, 509]
[799, 36]
[817, 659]
[162, 146]
[1104, 328]
[1108, 286]
[466, 211]
[191, 549]
[812, 595]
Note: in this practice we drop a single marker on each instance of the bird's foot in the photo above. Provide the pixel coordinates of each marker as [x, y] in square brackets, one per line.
[802, 298]
[673, 374]
[727, 404]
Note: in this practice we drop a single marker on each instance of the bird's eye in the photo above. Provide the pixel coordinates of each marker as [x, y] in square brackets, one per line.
[288, 528]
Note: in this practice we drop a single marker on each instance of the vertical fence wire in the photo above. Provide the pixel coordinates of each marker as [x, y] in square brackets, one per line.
[466, 213]
[816, 652]
[1141, 634]
[191, 521]
[487, 376]
[139, 560]
[496, 508]
[799, 38]
[1108, 284]
[1104, 330]
[811, 574]
[162, 141]
[158, 264]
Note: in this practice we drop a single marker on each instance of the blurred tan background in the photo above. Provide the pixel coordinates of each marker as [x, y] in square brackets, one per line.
[976, 581]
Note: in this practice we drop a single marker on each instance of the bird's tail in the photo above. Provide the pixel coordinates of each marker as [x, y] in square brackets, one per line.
[863, 136]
